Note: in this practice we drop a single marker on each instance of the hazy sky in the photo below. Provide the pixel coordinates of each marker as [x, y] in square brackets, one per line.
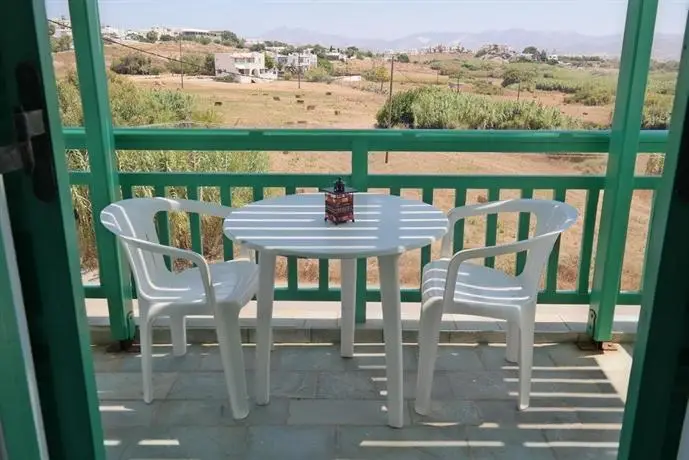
[379, 18]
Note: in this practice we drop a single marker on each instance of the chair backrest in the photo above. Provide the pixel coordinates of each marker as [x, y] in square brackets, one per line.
[552, 218]
[135, 218]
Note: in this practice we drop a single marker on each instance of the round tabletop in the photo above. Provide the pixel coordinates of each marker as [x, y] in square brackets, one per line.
[294, 225]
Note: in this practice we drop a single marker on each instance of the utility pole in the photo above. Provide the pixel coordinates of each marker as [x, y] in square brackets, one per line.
[457, 87]
[298, 73]
[392, 75]
[181, 63]
[437, 77]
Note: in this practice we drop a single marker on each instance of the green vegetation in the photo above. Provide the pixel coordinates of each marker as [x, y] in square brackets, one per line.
[193, 64]
[135, 64]
[435, 108]
[135, 106]
[61, 43]
[404, 58]
[270, 61]
[318, 74]
[562, 86]
[486, 87]
[657, 111]
[377, 74]
[591, 94]
[326, 65]
[151, 36]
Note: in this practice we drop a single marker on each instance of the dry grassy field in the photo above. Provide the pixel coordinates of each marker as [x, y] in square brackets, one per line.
[354, 105]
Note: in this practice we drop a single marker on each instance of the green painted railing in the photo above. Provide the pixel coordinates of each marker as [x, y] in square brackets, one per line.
[360, 143]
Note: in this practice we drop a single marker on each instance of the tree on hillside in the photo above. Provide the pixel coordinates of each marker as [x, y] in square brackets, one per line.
[61, 43]
[151, 36]
[204, 40]
[229, 36]
[530, 50]
[270, 62]
[319, 51]
[404, 58]
[257, 47]
[325, 65]
[518, 74]
[351, 51]
[167, 38]
[209, 64]
[135, 64]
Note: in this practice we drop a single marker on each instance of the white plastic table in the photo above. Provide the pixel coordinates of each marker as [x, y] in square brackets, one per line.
[294, 225]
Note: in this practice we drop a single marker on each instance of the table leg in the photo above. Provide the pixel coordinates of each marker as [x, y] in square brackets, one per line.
[265, 295]
[348, 269]
[392, 330]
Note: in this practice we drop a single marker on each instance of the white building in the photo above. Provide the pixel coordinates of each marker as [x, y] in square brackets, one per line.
[250, 64]
[336, 56]
[113, 32]
[304, 61]
[197, 33]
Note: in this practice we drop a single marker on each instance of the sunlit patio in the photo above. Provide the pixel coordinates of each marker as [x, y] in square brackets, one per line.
[327, 407]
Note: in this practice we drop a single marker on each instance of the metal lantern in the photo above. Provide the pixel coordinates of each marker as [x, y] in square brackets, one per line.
[339, 203]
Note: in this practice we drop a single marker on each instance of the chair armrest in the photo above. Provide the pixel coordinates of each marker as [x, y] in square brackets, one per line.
[198, 207]
[481, 253]
[196, 259]
[474, 210]
[209, 209]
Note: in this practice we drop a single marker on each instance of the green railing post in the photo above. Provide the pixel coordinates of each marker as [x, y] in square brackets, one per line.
[658, 390]
[105, 189]
[360, 182]
[45, 286]
[619, 181]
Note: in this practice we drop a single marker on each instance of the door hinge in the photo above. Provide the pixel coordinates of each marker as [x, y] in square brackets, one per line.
[20, 155]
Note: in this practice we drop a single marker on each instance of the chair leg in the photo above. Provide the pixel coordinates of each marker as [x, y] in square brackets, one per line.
[429, 330]
[178, 332]
[525, 362]
[230, 341]
[512, 349]
[146, 359]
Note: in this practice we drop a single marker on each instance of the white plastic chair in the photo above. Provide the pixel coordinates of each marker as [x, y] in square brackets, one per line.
[452, 284]
[220, 289]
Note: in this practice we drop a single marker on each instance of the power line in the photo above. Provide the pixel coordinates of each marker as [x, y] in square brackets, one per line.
[161, 56]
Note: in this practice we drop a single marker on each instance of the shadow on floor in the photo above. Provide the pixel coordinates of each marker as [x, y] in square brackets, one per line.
[326, 407]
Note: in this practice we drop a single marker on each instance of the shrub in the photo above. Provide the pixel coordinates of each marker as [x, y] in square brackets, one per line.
[436, 108]
[151, 36]
[166, 38]
[562, 86]
[486, 87]
[61, 43]
[591, 94]
[377, 74]
[135, 64]
[404, 58]
[318, 74]
[204, 40]
[131, 106]
[325, 65]
[518, 74]
[657, 111]
[193, 64]
[231, 78]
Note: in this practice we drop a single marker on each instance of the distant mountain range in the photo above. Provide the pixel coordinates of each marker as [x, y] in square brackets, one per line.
[665, 46]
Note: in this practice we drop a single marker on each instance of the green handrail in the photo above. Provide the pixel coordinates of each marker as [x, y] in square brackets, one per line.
[361, 142]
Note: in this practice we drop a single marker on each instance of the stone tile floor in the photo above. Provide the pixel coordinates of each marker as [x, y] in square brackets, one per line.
[326, 407]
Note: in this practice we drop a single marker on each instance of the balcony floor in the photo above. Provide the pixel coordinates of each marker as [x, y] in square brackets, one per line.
[326, 407]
